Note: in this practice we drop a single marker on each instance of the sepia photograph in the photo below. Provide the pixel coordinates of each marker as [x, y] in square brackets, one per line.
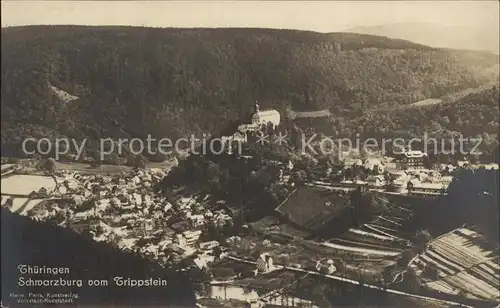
[250, 154]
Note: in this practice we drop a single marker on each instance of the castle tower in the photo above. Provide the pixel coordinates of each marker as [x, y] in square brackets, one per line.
[256, 107]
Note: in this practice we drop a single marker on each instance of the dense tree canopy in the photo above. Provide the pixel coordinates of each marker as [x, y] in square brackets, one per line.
[472, 114]
[472, 199]
[43, 244]
[170, 82]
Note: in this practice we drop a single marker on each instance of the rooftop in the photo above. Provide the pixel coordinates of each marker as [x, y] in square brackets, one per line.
[7, 166]
[415, 154]
[322, 206]
[422, 185]
[375, 177]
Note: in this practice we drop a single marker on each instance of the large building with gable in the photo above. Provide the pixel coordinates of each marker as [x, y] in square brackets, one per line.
[266, 116]
[258, 119]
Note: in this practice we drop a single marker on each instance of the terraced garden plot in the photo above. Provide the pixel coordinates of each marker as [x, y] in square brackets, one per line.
[464, 266]
[372, 238]
[380, 237]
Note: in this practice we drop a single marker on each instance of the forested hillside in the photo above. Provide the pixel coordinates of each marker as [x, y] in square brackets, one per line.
[473, 200]
[474, 114]
[42, 244]
[169, 82]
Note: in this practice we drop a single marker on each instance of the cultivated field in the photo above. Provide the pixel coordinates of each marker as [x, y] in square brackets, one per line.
[465, 265]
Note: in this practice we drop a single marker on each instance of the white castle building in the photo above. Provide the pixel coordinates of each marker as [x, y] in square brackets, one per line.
[265, 116]
[258, 119]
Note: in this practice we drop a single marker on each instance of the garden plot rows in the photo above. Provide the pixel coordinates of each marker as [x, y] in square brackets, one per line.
[463, 265]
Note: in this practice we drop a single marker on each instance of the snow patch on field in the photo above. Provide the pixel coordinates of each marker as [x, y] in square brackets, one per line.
[25, 184]
[310, 114]
[361, 250]
[427, 102]
[63, 95]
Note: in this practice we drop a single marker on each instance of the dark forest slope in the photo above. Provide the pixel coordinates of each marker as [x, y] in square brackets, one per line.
[173, 81]
[472, 199]
[26, 242]
[474, 114]
[453, 113]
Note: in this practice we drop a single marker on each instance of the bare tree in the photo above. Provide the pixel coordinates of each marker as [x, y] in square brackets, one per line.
[49, 166]
[422, 237]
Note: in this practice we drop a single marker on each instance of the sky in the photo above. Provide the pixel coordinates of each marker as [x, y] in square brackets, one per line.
[320, 16]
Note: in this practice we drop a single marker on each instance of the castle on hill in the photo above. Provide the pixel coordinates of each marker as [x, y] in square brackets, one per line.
[266, 116]
[259, 118]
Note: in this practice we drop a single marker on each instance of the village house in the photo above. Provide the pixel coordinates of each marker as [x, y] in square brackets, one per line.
[222, 219]
[77, 199]
[374, 164]
[410, 160]
[445, 180]
[245, 128]
[423, 189]
[195, 220]
[398, 181]
[180, 240]
[209, 245]
[191, 237]
[167, 207]
[329, 267]
[8, 168]
[203, 260]
[236, 140]
[264, 264]
[491, 166]
[349, 162]
[353, 184]
[375, 181]
[446, 169]
[233, 239]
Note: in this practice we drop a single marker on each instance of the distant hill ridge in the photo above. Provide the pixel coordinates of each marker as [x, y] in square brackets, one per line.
[472, 113]
[436, 35]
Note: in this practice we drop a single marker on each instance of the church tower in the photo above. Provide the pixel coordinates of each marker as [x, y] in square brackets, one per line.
[255, 115]
[256, 107]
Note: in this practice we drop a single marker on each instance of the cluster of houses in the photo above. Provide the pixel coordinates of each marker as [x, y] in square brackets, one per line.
[124, 210]
[404, 174]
